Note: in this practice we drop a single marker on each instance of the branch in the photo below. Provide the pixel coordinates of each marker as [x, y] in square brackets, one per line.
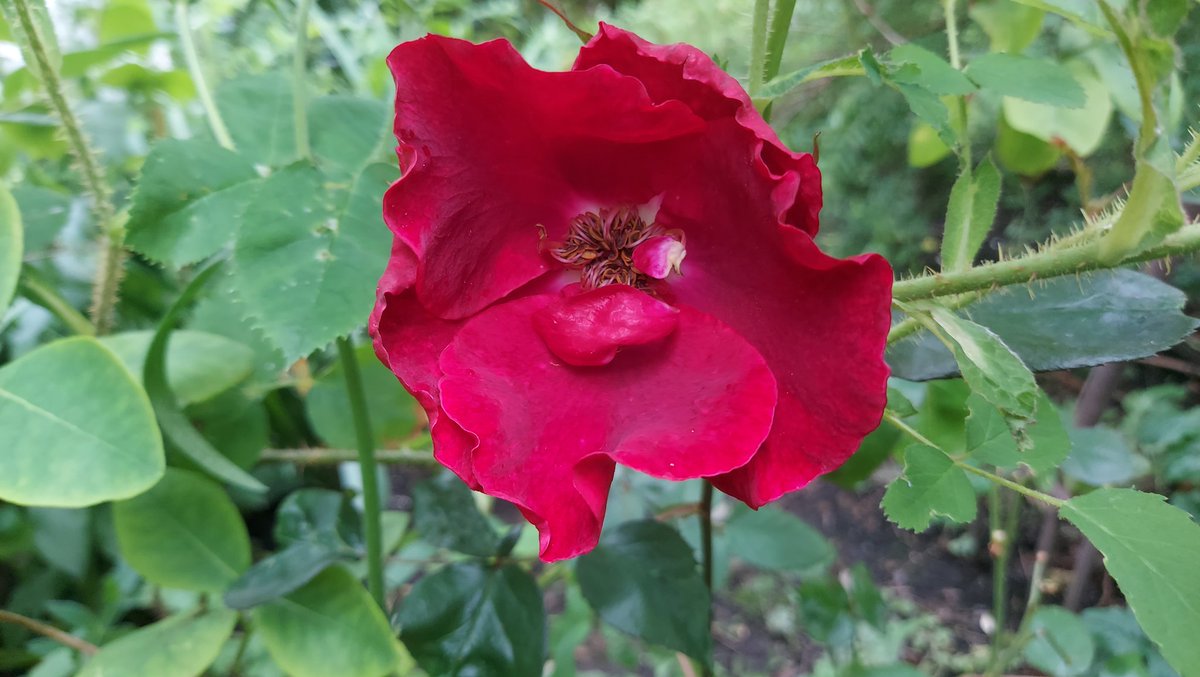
[50, 631]
[319, 456]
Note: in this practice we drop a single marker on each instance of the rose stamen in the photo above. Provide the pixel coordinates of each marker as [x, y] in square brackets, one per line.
[601, 246]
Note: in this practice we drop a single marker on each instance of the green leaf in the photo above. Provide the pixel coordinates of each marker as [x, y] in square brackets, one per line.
[1101, 456]
[219, 312]
[642, 579]
[1061, 645]
[444, 514]
[393, 412]
[1064, 323]
[776, 540]
[1083, 13]
[175, 426]
[989, 366]
[1010, 27]
[200, 366]
[850, 65]
[120, 19]
[344, 140]
[258, 110]
[234, 425]
[969, 215]
[473, 619]
[925, 147]
[1081, 129]
[931, 485]
[825, 609]
[875, 449]
[929, 108]
[77, 429]
[1151, 212]
[1151, 549]
[281, 574]
[179, 646]
[44, 213]
[989, 439]
[328, 627]
[318, 516]
[1023, 153]
[928, 70]
[310, 253]
[1036, 80]
[11, 247]
[184, 533]
[63, 537]
[189, 201]
[1166, 16]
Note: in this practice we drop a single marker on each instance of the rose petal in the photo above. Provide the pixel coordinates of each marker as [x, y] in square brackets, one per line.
[698, 403]
[486, 146]
[681, 72]
[586, 329]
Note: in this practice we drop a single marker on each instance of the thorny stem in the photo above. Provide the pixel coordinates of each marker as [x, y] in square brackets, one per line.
[366, 460]
[758, 46]
[190, 55]
[48, 630]
[706, 554]
[299, 71]
[112, 259]
[949, 10]
[1051, 262]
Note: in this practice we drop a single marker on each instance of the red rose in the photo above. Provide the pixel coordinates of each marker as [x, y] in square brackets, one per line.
[615, 264]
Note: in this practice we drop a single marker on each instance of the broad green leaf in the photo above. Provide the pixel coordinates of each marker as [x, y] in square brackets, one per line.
[919, 66]
[850, 65]
[176, 428]
[219, 312]
[143, 81]
[281, 574]
[75, 427]
[318, 515]
[393, 412]
[444, 514]
[1083, 13]
[63, 537]
[11, 247]
[184, 533]
[200, 366]
[189, 201]
[1064, 323]
[1023, 153]
[825, 611]
[1081, 129]
[328, 627]
[989, 439]
[969, 215]
[310, 253]
[929, 108]
[642, 579]
[44, 213]
[1010, 26]
[1101, 456]
[234, 425]
[348, 133]
[1036, 80]
[474, 619]
[931, 485]
[1151, 549]
[776, 540]
[258, 110]
[989, 366]
[1165, 16]
[874, 450]
[179, 646]
[1061, 645]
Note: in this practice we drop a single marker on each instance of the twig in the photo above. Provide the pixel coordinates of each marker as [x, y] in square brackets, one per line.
[321, 456]
[50, 631]
[877, 22]
[583, 35]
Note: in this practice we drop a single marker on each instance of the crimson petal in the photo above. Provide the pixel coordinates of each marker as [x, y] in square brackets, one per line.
[698, 403]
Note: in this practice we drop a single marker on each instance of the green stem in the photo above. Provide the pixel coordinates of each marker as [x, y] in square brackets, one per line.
[410, 457]
[299, 74]
[949, 10]
[192, 58]
[32, 287]
[706, 555]
[912, 432]
[758, 46]
[911, 325]
[1005, 482]
[1041, 265]
[366, 462]
[68, 640]
[108, 276]
[781, 22]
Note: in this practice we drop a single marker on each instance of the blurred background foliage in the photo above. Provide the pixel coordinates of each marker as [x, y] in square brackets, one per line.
[849, 595]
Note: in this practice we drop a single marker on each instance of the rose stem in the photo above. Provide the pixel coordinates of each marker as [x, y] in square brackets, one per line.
[366, 462]
[706, 556]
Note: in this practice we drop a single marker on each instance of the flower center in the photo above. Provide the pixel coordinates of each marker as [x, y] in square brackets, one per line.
[604, 247]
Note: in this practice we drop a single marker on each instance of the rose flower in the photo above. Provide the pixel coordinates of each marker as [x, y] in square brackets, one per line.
[615, 264]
